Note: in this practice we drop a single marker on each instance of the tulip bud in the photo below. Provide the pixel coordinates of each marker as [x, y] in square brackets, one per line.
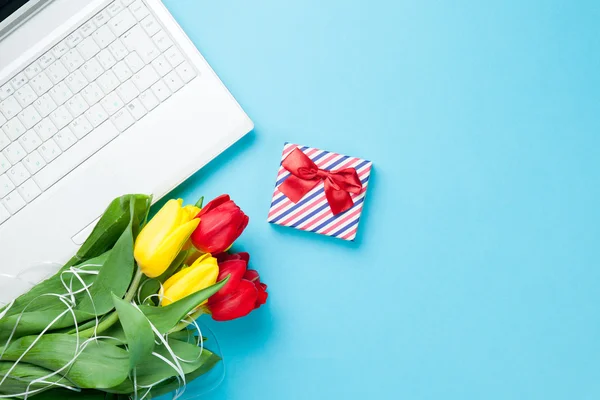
[242, 293]
[200, 275]
[221, 223]
[161, 240]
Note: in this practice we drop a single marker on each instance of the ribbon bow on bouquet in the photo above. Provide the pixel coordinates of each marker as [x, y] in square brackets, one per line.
[306, 175]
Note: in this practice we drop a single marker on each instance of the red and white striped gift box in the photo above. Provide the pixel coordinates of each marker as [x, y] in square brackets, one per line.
[313, 213]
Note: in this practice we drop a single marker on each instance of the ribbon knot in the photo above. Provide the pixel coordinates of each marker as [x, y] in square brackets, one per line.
[305, 175]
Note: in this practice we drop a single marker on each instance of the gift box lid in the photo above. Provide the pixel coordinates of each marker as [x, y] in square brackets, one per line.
[309, 202]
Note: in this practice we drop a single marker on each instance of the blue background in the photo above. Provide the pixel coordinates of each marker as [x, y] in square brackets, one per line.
[475, 272]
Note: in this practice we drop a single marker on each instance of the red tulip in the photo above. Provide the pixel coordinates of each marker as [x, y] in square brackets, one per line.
[242, 293]
[221, 223]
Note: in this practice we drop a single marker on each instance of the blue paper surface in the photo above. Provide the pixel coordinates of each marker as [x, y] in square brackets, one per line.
[475, 274]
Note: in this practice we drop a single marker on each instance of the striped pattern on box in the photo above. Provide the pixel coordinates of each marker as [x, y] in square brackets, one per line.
[313, 213]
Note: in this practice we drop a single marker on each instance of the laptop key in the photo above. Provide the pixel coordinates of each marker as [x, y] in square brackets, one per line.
[32, 70]
[4, 164]
[145, 78]
[49, 150]
[30, 141]
[10, 107]
[61, 117]
[134, 62]
[74, 39]
[29, 190]
[127, 91]
[118, 49]
[25, 95]
[87, 29]
[173, 81]
[34, 162]
[14, 202]
[114, 8]
[44, 105]
[19, 80]
[139, 10]
[45, 129]
[88, 48]
[60, 93]
[4, 214]
[92, 70]
[122, 22]
[46, 60]
[14, 129]
[103, 36]
[150, 25]
[6, 91]
[6, 186]
[80, 127]
[122, 71]
[92, 93]
[122, 119]
[41, 83]
[73, 60]
[149, 100]
[57, 71]
[136, 39]
[161, 91]
[76, 105]
[101, 18]
[18, 174]
[136, 109]
[29, 117]
[96, 115]
[161, 65]
[15, 153]
[60, 49]
[76, 81]
[66, 139]
[162, 40]
[4, 140]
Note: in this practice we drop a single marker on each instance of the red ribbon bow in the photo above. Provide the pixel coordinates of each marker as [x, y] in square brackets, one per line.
[306, 175]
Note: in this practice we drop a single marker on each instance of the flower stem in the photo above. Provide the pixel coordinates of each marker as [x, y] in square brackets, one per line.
[183, 324]
[113, 317]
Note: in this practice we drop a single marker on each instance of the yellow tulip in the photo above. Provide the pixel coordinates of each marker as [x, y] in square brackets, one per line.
[163, 237]
[200, 275]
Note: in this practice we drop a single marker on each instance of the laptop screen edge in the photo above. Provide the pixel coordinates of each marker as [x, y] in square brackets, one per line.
[21, 15]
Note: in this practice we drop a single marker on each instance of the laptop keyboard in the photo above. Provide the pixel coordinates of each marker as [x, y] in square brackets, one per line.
[74, 99]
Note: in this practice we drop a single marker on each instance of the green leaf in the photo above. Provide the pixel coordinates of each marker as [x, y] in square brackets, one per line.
[200, 202]
[149, 287]
[20, 377]
[116, 335]
[64, 394]
[152, 369]
[165, 318]
[140, 338]
[34, 299]
[34, 322]
[114, 276]
[186, 335]
[173, 384]
[100, 365]
[113, 223]
[81, 327]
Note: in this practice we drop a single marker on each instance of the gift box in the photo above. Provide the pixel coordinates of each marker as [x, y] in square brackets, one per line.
[319, 191]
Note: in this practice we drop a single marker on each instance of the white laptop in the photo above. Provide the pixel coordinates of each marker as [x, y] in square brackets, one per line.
[97, 99]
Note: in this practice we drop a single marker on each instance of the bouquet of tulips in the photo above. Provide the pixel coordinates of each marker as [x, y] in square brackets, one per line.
[118, 320]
